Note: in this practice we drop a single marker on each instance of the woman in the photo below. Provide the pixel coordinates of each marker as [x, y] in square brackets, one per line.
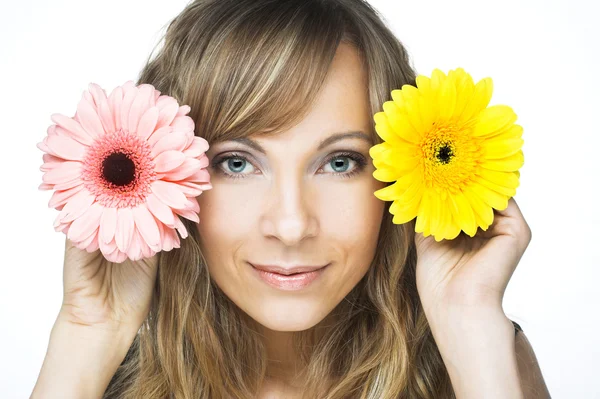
[284, 91]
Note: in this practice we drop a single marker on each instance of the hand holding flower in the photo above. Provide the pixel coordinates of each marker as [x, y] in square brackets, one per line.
[470, 273]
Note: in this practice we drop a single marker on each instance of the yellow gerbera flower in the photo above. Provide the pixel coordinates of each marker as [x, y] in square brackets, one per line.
[451, 157]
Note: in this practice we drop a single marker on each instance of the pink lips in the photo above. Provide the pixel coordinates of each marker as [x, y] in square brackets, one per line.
[290, 282]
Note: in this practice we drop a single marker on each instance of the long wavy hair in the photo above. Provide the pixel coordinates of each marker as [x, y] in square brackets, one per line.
[255, 66]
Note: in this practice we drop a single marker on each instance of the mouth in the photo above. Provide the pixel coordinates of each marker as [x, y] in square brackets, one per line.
[291, 281]
[287, 270]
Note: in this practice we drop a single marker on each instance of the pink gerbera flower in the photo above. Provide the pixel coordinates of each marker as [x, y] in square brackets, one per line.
[124, 169]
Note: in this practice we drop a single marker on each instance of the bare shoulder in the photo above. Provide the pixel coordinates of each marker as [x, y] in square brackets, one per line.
[532, 380]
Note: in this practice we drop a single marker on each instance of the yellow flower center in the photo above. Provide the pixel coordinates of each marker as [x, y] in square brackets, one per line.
[450, 155]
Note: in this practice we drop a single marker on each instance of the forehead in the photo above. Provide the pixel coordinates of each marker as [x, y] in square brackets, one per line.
[342, 106]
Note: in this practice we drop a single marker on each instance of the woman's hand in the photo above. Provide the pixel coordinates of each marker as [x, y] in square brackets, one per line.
[103, 294]
[471, 272]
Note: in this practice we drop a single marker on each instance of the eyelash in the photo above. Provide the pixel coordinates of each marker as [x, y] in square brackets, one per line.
[359, 159]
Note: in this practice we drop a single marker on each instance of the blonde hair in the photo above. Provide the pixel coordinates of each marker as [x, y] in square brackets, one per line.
[255, 66]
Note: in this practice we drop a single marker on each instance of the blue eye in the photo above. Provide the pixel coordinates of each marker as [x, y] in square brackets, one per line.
[340, 163]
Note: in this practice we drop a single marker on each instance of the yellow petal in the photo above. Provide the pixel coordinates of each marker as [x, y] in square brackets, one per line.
[479, 100]
[436, 214]
[506, 179]
[429, 112]
[484, 214]
[386, 174]
[399, 122]
[411, 107]
[508, 164]
[404, 212]
[390, 192]
[447, 100]
[508, 191]
[494, 119]
[378, 149]
[437, 77]
[466, 216]
[384, 130]
[414, 192]
[490, 197]
[497, 149]
[464, 90]
[423, 215]
[447, 228]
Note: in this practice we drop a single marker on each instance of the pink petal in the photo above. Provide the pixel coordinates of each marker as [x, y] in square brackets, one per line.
[108, 225]
[97, 94]
[194, 205]
[76, 206]
[125, 226]
[66, 171]
[85, 224]
[188, 214]
[174, 141]
[169, 238]
[102, 107]
[189, 189]
[94, 244]
[74, 128]
[148, 252]
[146, 225]
[190, 138]
[159, 134]
[69, 184]
[87, 241]
[66, 148]
[134, 252]
[52, 130]
[115, 100]
[42, 146]
[49, 158]
[139, 105]
[163, 238]
[62, 196]
[198, 146]
[147, 123]
[168, 111]
[89, 119]
[161, 211]
[184, 110]
[45, 186]
[168, 160]
[201, 176]
[119, 257]
[204, 161]
[169, 194]
[187, 168]
[129, 95]
[107, 248]
[180, 228]
[51, 164]
[183, 123]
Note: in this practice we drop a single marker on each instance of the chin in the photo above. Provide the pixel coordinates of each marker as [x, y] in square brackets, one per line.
[290, 315]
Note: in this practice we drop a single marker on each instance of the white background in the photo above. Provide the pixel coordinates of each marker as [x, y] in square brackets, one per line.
[543, 59]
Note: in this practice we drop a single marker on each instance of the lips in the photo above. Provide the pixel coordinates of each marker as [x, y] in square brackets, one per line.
[295, 278]
[286, 270]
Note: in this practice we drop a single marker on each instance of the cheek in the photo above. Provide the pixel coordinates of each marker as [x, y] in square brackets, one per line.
[350, 219]
[226, 220]
[351, 214]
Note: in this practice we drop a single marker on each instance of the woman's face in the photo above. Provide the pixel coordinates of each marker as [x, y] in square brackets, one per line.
[298, 203]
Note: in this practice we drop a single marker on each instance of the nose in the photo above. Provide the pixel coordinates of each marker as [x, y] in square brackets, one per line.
[289, 212]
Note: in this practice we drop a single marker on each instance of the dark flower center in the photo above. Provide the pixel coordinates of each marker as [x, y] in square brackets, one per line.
[444, 153]
[118, 169]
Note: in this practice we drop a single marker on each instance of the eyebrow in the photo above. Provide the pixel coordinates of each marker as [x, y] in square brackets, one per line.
[324, 143]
